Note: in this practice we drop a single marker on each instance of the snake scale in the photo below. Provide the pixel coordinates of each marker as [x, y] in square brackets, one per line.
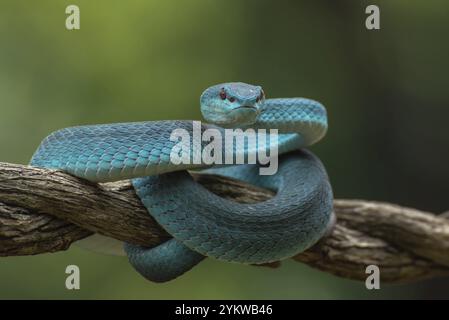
[202, 223]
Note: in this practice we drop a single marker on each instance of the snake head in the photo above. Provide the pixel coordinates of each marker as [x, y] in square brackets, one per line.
[232, 104]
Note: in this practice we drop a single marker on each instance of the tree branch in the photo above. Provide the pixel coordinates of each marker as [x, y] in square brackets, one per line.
[45, 210]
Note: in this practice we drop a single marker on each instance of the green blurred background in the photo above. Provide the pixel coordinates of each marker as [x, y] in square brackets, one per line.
[386, 94]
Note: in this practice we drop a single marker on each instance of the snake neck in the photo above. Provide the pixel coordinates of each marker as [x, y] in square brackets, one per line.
[306, 117]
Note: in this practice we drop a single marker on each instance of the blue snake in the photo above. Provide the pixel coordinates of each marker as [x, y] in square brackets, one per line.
[202, 223]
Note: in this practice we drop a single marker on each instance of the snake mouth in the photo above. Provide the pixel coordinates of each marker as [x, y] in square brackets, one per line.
[242, 115]
[247, 107]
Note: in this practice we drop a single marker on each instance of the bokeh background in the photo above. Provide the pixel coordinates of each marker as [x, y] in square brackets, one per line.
[386, 94]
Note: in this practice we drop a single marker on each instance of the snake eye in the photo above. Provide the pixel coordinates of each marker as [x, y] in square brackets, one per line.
[222, 94]
[232, 99]
[261, 96]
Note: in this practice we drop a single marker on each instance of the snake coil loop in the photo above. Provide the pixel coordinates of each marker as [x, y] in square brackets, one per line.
[202, 223]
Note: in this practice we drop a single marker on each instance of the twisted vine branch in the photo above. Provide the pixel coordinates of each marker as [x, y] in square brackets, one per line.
[45, 210]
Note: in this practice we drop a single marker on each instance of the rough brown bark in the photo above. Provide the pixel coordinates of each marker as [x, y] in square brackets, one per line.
[45, 210]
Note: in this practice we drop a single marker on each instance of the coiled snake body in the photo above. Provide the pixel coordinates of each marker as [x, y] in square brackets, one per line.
[202, 223]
